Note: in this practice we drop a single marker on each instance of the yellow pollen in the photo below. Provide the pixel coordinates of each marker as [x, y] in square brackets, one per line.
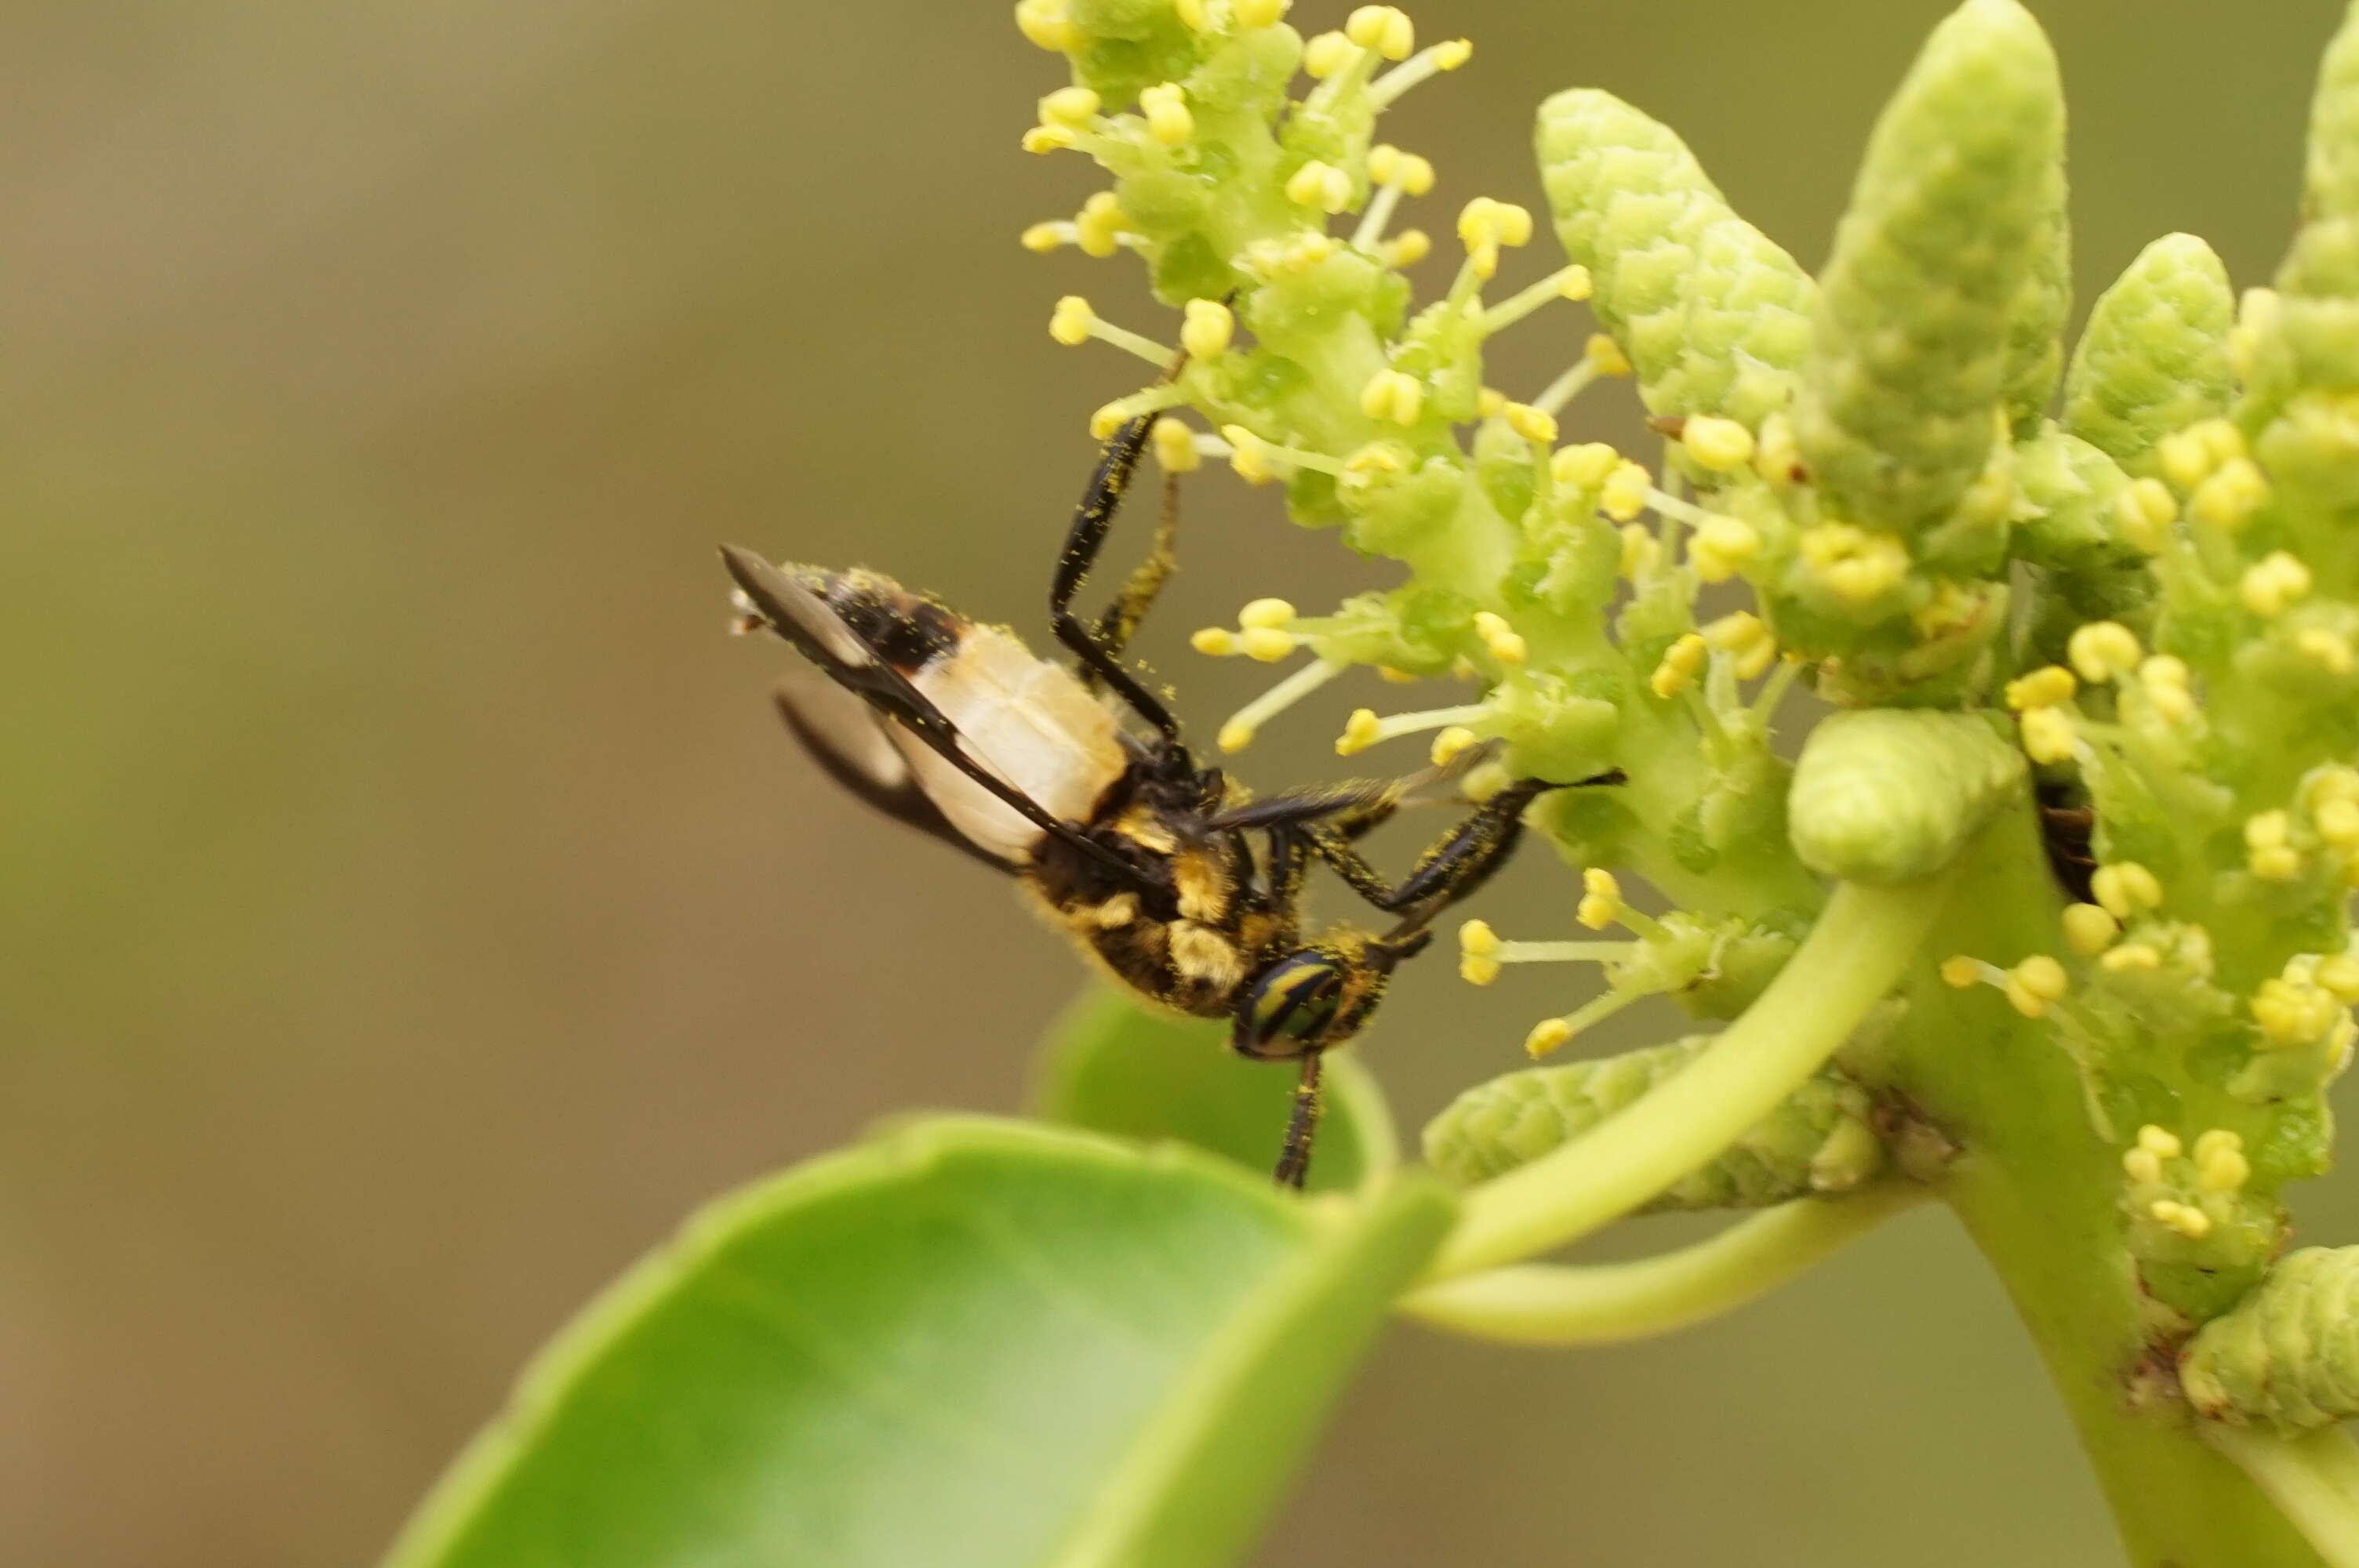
[2228, 498]
[1360, 732]
[1218, 642]
[1047, 139]
[1625, 493]
[1856, 564]
[1722, 546]
[2144, 511]
[1097, 229]
[2273, 583]
[1270, 613]
[1960, 970]
[1408, 248]
[2192, 1223]
[2221, 1169]
[2131, 958]
[1477, 938]
[1604, 355]
[1175, 445]
[1451, 55]
[2141, 1166]
[2186, 462]
[2159, 1141]
[1071, 107]
[1575, 283]
[1107, 419]
[1387, 165]
[1320, 185]
[2126, 888]
[1383, 28]
[1393, 395]
[2033, 984]
[1720, 445]
[1584, 467]
[1165, 104]
[1070, 322]
[1266, 645]
[2048, 736]
[2294, 1012]
[1504, 642]
[2102, 650]
[1547, 1036]
[1046, 237]
[1682, 663]
[1044, 22]
[1746, 637]
[1530, 423]
[2043, 688]
[2089, 929]
[1325, 54]
[1234, 737]
[1448, 745]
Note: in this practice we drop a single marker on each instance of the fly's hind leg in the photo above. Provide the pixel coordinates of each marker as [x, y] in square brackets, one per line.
[1294, 1156]
[1453, 866]
[1121, 618]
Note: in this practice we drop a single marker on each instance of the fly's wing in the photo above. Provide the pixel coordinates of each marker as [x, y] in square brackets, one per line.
[1363, 802]
[851, 746]
[970, 788]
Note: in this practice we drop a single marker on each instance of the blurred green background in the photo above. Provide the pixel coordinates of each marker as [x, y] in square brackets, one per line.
[410, 908]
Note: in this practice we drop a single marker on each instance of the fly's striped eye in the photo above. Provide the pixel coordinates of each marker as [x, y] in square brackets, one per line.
[1290, 1008]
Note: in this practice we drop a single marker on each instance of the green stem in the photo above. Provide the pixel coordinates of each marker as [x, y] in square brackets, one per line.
[2314, 1479]
[1550, 1304]
[1859, 949]
[2039, 1193]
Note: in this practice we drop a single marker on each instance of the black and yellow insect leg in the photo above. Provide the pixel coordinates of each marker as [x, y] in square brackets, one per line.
[1121, 618]
[1294, 1155]
[1091, 520]
[1453, 866]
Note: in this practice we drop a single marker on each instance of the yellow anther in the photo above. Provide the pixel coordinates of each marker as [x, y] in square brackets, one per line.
[2337, 822]
[1504, 642]
[2141, 1166]
[1530, 423]
[1217, 640]
[1070, 322]
[1682, 661]
[1325, 54]
[2043, 688]
[2329, 651]
[1249, 454]
[1235, 737]
[2221, 1168]
[1484, 225]
[1722, 546]
[1476, 970]
[2230, 497]
[1746, 637]
[1394, 395]
[1547, 1036]
[2131, 958]
[2102, 650]
[2273, 583]
[1450, 56]
[2160, 670]
[1360, 732]
[1391, 676]
[1855, 564]
[1575, 283]
[1165, 104]
[1720, 445]
[1376, 461]
[2187, 1221]
[2267, 830]
[2089, 928]
[2339, 977]
[1048, 139]
[1383, 28]
[2209, 1143]
[1604, 355]
[2221, 438]
[1451, 744]
[2159, 1141]
[2144, 511]
[2048, 735]
[1266, 645]
[2186, 462]
[1490, 402]
[2035, 983]
[1274, 613]
[1514, 223]
[1259, 13]
[1106, 418]
[1601, 901]
[1961, 970]
[2268, 848]
[1046, 237]
[1320, 185]
[1584, 467]
[1626, 492]
[1071, 107]
[2294, 1012]
[1175, 445]
[2125, 888]
[1641, 551]
[1044, 22]
[1477, 938]
[1776, 457]
[1097, 228]
[1387, 165]
[1193, 14]
[1408, 248]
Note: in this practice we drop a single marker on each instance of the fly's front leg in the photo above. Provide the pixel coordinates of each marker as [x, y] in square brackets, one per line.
[1083, 542]
[1456, 865]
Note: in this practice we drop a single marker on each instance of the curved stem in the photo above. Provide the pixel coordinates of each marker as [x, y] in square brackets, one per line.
[1860, 947]
[2313, 1479]
[1550, 1304]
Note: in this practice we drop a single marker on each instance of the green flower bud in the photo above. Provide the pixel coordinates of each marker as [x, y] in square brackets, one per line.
[1714, 316]
[2153, 358]
[1950, 222]
[1890, 794]
[2289, 1354]
[2069, 487]
[1819, 1141]
[2319, 323]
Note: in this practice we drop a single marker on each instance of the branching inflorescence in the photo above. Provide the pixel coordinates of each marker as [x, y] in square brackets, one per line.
[2128, 579]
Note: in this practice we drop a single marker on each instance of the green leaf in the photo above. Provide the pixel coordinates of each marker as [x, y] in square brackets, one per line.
[973, 1342]
[1112, 1067]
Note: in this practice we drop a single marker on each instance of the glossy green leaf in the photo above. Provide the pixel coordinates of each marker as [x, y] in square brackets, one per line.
[973, 1342]
[1112, 1067]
